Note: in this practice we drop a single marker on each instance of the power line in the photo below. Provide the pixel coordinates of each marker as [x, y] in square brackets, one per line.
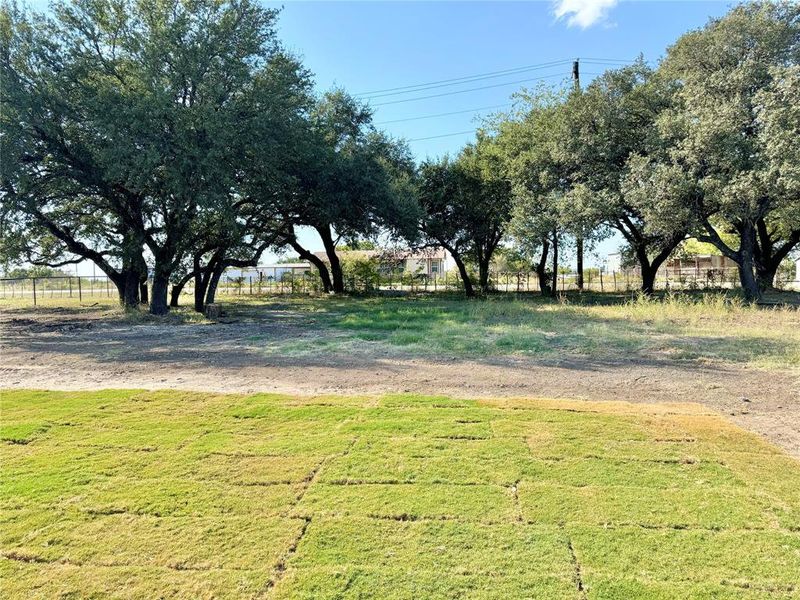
[446, 114]
[465, 78]
[485, 87]
[480, 76]
[461, 80]
[433, 137]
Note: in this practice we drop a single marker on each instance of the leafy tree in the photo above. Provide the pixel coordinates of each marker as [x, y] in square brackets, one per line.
[351, 182]
[57, 206]
[466, 206]
[540, 178]
[609, 137]
[733, 130]
[129, 122]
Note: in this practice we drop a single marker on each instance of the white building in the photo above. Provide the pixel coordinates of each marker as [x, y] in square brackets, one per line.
[431, 262]
[269, 272]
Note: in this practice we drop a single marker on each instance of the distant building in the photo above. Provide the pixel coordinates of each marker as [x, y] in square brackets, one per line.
[698, 264]
[796, 283]
[428, 262]
[613, 263]
[269, 272]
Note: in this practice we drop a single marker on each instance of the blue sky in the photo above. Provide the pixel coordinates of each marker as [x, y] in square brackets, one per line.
[368, 46]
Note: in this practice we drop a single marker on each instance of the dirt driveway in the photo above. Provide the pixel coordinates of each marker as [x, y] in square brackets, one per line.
[69, 350]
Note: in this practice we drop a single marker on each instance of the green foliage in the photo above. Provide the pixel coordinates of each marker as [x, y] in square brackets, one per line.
[132, 125]
[691, 329]
[732, 134]
[466, 205]
[363, 272]
[39, 271]
[335, 497]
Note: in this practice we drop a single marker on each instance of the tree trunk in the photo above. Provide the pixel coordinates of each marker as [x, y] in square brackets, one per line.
[201, 280]
[158, 302]
[175, 294]
[648, 278]
[483, 275]
[541, 269]
[143, 294]
[579, 257]
[748, 280]
[177, 289]
[337, 275]
[315, 260]
[143, 276]
[768, 257]
[648, 270]
[746, 264]
[554, 291]
[213, 282]
[462, 269]
[130, 294]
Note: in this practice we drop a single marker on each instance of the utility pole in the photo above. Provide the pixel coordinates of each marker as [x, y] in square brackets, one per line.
[576, 80]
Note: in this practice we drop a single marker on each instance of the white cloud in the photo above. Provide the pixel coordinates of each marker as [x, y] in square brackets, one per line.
[583, 13]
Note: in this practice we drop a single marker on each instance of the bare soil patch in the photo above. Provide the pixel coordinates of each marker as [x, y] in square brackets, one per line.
[67, 349]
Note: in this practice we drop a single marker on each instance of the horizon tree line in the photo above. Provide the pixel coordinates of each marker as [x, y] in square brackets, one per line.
[168, 140]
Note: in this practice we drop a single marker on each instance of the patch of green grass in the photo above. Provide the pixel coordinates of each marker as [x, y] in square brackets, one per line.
[703, 328]
[187, 495]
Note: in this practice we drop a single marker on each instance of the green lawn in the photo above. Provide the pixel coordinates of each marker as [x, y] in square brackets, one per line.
[692, 329]
[704, 328]
[186, 495]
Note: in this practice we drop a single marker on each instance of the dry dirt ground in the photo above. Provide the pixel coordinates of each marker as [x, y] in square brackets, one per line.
[67, 350]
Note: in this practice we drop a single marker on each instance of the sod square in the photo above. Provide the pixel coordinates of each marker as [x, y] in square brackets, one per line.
[625, 588]
[409, 501]
[425, 460]
[255, 470]
[329, 583]
[46, 581]
[252, 443]
[184, 497]
[748, 559]
[716, 508]
[429, 422]
[557, 433]
[593, 471]
[436, 546]
[417, 400]
[190, 543]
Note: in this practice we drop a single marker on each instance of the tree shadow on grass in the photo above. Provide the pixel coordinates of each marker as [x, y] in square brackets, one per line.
[344, 333]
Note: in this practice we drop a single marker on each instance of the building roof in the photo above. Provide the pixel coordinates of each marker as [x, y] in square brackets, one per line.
[386, 254]
[291, 265]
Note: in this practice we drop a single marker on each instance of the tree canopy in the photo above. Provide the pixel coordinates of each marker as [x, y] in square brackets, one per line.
[166, 140]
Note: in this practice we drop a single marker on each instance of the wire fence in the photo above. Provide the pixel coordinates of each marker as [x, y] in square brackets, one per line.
[35, 290]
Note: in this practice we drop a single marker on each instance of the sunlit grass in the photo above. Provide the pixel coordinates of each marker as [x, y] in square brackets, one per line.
[704, 329]
[189, 495]
[697, 328]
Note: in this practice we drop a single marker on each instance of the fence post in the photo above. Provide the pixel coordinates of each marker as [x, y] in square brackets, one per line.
[601, 280]
[34, 291]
